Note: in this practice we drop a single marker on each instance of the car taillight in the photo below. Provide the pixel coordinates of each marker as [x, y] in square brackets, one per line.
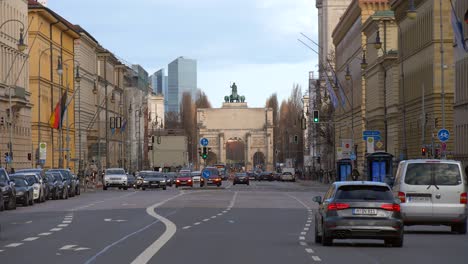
[402, 197]
[337, 206]
[177, 180]
[391, 207]
[189, 180]
[463, 198]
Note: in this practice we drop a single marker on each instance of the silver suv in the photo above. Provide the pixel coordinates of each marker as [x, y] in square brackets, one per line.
[115, 177]
[432, 192]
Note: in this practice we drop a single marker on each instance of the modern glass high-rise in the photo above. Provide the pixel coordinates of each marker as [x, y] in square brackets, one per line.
[159, 81]
[182, 78]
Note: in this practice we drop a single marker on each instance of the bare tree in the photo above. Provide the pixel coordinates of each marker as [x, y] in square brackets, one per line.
[272, 102]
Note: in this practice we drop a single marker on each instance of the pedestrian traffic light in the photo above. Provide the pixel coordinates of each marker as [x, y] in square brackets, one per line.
[204, 153]
[29, 156]
[423, 151]
[316, 116]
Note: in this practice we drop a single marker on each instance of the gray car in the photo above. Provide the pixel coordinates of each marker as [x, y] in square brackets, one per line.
[358, 210]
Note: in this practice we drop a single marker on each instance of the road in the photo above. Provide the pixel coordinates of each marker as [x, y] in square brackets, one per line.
[266, 222]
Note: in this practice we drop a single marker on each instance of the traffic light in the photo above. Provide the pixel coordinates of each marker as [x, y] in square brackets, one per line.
[466, 16]
[423, 151]
[204, 153]
[316, 116]
[29, 156]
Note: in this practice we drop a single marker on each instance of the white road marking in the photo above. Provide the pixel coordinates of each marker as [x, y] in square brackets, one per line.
[30, 239]
[309, 250]
[220, 214]
[309, 221]
[1, 250]
[28, 222]
[302, 243]
[197, 223]
[45, 234]
[306, 229]
[307, 225]
[81, 249]
[67, 222]
[214, 216]
[63, 225]
[205, 220]
[301, 238]
[224, 211]
[186, 227]
[231, 221]
[67, 247]
[14, 245]
[303, 233]
[171, 229]
[316, 258]
[107, 220]
[56, 229]
[299, 201]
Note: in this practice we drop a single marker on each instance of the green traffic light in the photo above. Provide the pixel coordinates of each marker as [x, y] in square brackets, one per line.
[315, 120]
[204, 156]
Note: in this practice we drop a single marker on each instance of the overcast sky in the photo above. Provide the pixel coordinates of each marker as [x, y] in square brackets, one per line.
[251, 42]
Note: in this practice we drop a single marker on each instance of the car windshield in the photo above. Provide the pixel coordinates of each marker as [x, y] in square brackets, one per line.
[433, 173]
[31, 178]
[240, 174]
[187, 174]
[20, 182]
[115, 172]
[364, 193]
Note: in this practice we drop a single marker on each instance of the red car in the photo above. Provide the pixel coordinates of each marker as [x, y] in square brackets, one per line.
[184, 181]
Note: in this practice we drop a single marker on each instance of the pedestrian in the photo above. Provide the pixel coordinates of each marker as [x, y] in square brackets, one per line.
[355, 175]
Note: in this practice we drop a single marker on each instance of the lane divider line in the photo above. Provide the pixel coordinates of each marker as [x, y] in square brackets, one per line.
[30, 239]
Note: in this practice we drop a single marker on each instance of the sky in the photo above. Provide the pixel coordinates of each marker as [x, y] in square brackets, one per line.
[250, 42]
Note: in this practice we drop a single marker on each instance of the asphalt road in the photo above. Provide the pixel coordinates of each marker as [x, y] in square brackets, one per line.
[266, 222]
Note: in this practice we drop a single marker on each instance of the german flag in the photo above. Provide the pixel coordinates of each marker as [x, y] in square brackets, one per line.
[56, 118]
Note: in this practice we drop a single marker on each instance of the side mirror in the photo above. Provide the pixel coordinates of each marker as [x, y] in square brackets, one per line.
[317, 199]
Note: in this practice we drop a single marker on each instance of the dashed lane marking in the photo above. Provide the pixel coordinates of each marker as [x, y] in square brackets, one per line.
[67, 247]
[302, 243]
[301, 238]
[306, 229]
[13, 245]
[303, 233]
[220, 214]
[186, 227]
[205, 220]
[30, 239]
[197, 223]
[45, 234]
[214, 216]
[316, 258]
[309, 250]
[67, 222]
[63, 225]
[307, 225]
[56, 229]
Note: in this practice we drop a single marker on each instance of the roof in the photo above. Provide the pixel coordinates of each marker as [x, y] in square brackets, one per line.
[430, 161]
[32, 5]
[82, 30]
[345, 183]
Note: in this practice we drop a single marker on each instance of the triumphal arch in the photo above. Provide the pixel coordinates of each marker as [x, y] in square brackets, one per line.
[238, 136]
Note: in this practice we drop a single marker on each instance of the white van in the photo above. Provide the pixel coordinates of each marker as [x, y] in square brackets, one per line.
[432, 192]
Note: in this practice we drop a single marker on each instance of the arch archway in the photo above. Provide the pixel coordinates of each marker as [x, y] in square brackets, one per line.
[212, 159]
[259, 160]
[235, 153]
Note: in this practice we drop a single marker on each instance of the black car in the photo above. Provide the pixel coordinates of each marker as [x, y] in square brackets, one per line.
[7, 189]
[61, 186]
[49, 181]
[69, 179]
[152, 179]
[361, 210]
[24, 192]
[266, 176]
[241, 178]
[131, 181]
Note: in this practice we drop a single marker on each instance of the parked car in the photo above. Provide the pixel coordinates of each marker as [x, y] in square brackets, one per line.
[115, 177]
[7, 189]
[153, 179]
[287, 176]
[432, 192]
[40, 173]
[2, 203]
[241, 178]
[266, 176]
[61, 189]
[24, 192]
[51, 187]
[38, 185]
[359, 210]
[70, 181]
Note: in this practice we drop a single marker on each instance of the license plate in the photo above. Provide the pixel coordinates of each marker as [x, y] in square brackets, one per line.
[359, 211]
[418, 199]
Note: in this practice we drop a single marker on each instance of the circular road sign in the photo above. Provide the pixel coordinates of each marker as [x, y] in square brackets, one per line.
[204, 142]
[206, 174]
[443, 135]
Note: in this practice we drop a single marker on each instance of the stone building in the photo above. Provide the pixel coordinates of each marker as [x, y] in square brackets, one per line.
[15, 114]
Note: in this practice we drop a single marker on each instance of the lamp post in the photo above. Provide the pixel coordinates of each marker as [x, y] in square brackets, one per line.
[158, 125]
[21, 47]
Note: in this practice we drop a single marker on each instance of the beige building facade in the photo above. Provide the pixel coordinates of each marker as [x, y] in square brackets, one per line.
[236, 122]
[426, 79]
[15, 125]
[461, 91]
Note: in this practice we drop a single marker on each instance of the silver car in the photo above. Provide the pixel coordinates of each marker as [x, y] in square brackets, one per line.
[115, 177]
[432, 192]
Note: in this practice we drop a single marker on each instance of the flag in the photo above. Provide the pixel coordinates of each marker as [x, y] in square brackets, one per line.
[458, 32]
[124, 124]
[56, 118]
[332, 93]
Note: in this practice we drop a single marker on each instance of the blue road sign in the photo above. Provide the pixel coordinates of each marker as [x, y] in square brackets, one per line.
[206, 174]
[370, 133]
[443, 135]
[353, 156]
[377, 138]
[204, 142]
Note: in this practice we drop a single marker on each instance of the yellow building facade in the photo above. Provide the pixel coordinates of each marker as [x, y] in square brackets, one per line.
[53, 39]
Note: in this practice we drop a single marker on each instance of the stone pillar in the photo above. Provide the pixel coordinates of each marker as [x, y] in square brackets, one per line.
[248, 161]
[222, 149]
[269, 153]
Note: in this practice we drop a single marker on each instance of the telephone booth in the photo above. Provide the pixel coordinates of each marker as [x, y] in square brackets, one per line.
[380, 167]
[344, 168]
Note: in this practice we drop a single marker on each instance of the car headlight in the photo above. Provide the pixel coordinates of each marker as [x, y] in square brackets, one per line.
[145, 181]
[4, 189]
[163, 181]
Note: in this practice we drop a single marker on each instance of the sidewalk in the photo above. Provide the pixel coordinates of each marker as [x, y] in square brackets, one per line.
[312, 183]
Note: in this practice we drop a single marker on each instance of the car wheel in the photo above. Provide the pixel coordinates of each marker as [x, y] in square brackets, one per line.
[459, 228]
[326, 240]
[120, 188]
[125, 188]
[318, 239]
[31, 200]
[104, 188]
[143, 188]
[164, 188]
[26, 201]
[395, 242]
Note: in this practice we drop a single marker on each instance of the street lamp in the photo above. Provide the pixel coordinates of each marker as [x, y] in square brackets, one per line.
[21, 45]
[348, 73]
[364, 61]
[378, 42]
